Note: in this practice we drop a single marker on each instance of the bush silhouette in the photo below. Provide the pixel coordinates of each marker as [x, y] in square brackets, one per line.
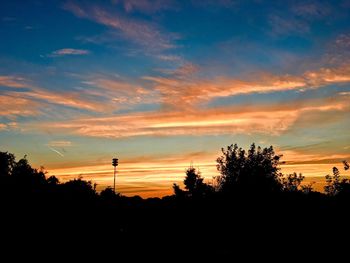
[255, 171]
[194, 185]
[335, 185]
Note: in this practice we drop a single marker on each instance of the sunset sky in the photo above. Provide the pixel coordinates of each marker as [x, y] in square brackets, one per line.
[164, 84]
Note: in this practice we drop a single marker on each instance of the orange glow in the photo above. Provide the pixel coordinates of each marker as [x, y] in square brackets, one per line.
[271, 119]
[155, 177]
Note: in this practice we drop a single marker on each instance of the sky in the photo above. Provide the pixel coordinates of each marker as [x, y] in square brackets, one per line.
[163, 85]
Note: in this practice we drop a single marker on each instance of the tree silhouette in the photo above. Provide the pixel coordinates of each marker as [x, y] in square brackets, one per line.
[335, 185]
[194, 185]
[53, 180]
[255, 171]
[108, 194]
[307, 188]
[178, 192]
[79, 189]
[292, 182]
[7, 162]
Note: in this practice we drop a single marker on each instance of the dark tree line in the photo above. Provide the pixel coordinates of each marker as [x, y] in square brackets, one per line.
[255, 172]
[250, 205]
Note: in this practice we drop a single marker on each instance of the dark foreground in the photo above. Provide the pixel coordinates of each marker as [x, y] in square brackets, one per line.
[127, 229]
[253, 214]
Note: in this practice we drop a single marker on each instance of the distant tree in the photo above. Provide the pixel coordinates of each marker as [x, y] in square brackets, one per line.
[194, 184]
[193, 181]
[108, 193]
[7, 162]
[292, 182]
[307, 188]
[254, 171]
[53, 180]
[346, 165]
[335, 185]
[78, 188]
[178, 192]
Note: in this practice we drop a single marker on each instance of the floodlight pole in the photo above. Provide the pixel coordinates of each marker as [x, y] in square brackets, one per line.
[115, 170]
[115, 164]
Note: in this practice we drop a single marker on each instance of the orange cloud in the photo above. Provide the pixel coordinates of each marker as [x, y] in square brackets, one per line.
[270, 119]
[13, 82]
[181, 89]
[71, 99]
[326, 76]
[12, 105]
[188, 92]
[120, 92]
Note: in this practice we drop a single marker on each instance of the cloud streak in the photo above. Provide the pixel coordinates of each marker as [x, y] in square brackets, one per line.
[13, 82]
[263, 119]
[141, 32]
[12, 105]
[60, 144]
[145, 6]
[56, 151]
[69, 52]
[182, 89]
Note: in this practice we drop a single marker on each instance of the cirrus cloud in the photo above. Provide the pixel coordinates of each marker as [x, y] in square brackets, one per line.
[68, 52]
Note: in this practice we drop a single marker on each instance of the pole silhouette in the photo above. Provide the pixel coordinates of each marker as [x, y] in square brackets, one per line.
[115, 164]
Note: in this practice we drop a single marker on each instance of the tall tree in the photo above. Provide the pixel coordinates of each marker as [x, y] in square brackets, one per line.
[254, 171]
[194, 184]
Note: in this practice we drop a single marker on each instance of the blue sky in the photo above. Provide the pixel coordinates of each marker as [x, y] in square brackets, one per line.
[165, 83]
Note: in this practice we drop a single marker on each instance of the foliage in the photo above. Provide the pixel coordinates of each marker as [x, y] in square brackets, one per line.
[292, 182]
[108, 194]
[7, 163]
[335, 185]
[79, 188]
[194, 185]
[254, 171]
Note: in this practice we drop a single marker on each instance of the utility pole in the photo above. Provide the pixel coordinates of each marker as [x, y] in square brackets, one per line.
[115, 164]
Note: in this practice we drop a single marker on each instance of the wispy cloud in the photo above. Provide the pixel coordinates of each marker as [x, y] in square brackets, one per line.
[68, 52]
[146, 6]
[172, 58]
[214, 3]
[311, 10]
[192, 91]
[99, 94]
[13, 82]
[60, 143]
[119, 92]
[299, 20]
[141, 32]
[325, 76]
[12, 106]
[183, 85]
[70, 99]
[281, 25]
[271, 119]
[8, 126]
[35, 101]
[56, 151]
